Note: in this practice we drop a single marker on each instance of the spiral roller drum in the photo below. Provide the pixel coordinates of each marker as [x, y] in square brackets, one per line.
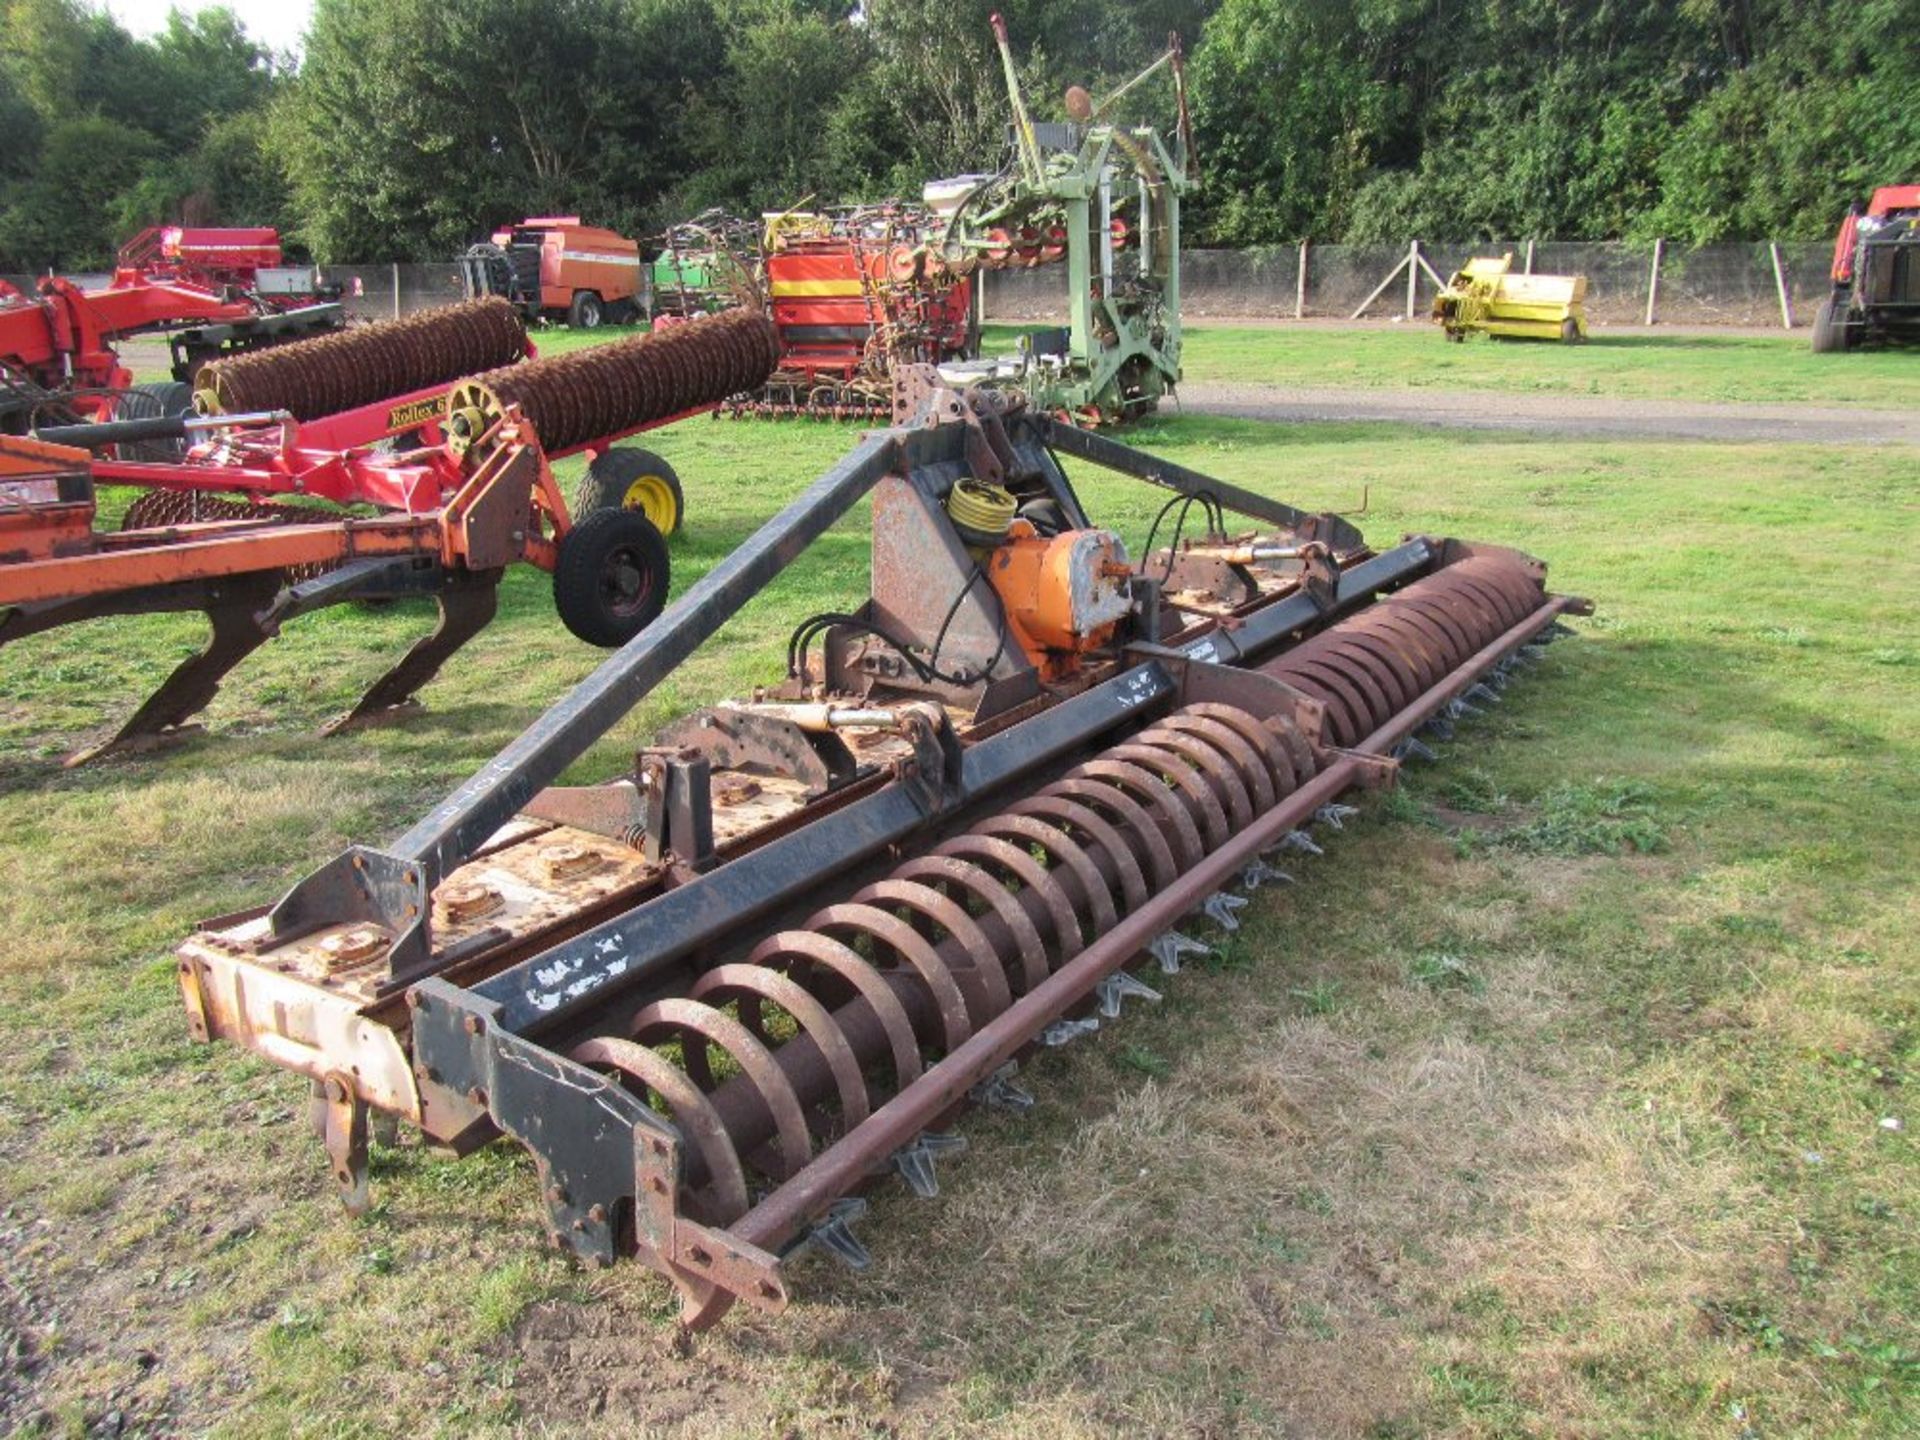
[1369, 668]
[588, 395]
[366, 365]
[910, 966]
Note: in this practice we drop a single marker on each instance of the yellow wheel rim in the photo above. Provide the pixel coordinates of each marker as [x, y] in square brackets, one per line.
[653, 497]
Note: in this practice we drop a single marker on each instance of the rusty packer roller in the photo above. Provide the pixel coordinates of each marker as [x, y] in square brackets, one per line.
[367, 365]
[719, 996]
[576, 398]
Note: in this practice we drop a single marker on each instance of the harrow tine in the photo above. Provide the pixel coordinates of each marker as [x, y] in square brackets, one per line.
[1482, 692]
[914, 1163]
[1335, 816]
[1439, 726]
[466, 606]
[1558, 630]
[1064, 1032]
[1259, 873]
[1297, 840]
[834, 1234]
[998, 1092]
[1461, 710]
[1117, 987]
[1220, 908]
[1171, 948]
[1414, 749]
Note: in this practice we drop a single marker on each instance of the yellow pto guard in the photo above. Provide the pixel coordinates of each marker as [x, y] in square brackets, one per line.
[1486, 296]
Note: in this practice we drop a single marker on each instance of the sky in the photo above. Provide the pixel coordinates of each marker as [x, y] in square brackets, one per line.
[276, 24]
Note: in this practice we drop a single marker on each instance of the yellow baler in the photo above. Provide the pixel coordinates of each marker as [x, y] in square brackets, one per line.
[1485, 295]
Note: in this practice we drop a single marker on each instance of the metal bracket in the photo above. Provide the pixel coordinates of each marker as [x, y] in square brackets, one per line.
[739, 739]
[677, 799]
[932, 774]
[616, 810]
[686, 1249]
[366, 886]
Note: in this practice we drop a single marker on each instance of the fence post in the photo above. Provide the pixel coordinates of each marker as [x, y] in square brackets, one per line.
[1529, 269]
[1780, 285]
[1653, 278]
[396, 289]
[1300, 285]
[1413, 274]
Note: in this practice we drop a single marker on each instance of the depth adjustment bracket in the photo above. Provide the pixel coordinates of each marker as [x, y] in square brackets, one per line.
[676, 790]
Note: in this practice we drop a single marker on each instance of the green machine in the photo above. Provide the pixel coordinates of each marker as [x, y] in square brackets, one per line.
[704, 265]
[1104, 198]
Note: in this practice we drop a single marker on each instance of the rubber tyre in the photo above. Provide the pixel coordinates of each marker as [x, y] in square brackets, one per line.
[1570, 332]
[586, 312]
[630, 478]
[144, 402]
[1827, 337]
[611, 579]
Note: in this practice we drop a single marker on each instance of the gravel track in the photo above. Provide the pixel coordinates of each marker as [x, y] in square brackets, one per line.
[1590, 416]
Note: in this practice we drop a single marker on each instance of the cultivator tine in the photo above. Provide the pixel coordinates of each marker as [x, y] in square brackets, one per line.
[1335, 817]
[1172, 948]
[234, 614]
[1299, 841]
[1122, 986]
[914, 1163]
[1412, 749]
[467, 604]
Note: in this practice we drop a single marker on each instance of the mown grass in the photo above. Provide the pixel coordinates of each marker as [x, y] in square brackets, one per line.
[1770, 369]
[1549, 1102]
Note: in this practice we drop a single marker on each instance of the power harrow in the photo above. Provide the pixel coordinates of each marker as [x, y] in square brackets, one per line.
[441, 423]
[721, 995]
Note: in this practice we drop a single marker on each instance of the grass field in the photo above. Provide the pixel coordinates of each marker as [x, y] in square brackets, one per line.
[1570, 1093]
[1761, 369]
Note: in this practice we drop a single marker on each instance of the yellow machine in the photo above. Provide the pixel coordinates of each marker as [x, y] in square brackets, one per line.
[1485, 295]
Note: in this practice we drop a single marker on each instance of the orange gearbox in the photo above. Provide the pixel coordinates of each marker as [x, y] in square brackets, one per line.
[1064, 594]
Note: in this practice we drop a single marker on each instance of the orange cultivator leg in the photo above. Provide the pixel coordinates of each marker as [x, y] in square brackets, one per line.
[467, 604]
[233, 607]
